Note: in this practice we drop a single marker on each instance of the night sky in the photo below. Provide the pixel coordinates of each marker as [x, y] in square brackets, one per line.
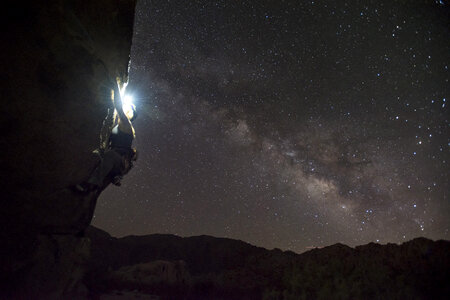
[288, 124]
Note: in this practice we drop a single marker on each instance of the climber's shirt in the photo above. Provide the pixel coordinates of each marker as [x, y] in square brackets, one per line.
[121, 141]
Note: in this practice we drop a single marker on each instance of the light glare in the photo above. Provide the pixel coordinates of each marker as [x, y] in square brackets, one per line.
[127, 104]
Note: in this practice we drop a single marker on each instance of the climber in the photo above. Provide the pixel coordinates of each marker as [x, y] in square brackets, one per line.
[118, 159]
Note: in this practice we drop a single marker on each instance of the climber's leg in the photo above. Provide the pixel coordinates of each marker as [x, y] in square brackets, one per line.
[110, 164]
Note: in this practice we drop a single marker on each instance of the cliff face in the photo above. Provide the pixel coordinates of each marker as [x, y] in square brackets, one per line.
[217, 268]
[59, 59]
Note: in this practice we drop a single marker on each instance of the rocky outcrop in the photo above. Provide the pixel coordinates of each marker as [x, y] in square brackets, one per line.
[154, 275]
[60, 59]
[219, 268]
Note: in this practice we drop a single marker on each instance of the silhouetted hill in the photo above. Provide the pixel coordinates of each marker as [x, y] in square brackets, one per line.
[205, 267]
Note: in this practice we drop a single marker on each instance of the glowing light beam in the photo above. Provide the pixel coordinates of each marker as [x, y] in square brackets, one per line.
[128, 105]
[127, 102]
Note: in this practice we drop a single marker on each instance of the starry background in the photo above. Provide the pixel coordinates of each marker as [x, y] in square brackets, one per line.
[288, 124]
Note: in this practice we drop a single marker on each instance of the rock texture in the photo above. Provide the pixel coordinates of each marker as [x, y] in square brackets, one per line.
[153, 275]
[60, 59]
[216, 268]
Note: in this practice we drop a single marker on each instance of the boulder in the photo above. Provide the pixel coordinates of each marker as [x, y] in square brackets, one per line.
[60, 61]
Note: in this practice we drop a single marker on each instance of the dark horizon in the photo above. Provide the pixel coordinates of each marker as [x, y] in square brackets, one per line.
[288, 125]
[269, 249]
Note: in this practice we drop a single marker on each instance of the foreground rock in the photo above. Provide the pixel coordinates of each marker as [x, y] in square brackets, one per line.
[58, 60]
[215, 268]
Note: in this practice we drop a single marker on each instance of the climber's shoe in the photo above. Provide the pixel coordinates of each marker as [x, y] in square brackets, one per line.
[116, 180]
[83, 187]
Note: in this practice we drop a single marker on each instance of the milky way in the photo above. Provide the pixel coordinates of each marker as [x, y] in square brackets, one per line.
[288, 124]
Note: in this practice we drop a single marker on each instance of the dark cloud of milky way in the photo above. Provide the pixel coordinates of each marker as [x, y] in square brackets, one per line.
[288, 124]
